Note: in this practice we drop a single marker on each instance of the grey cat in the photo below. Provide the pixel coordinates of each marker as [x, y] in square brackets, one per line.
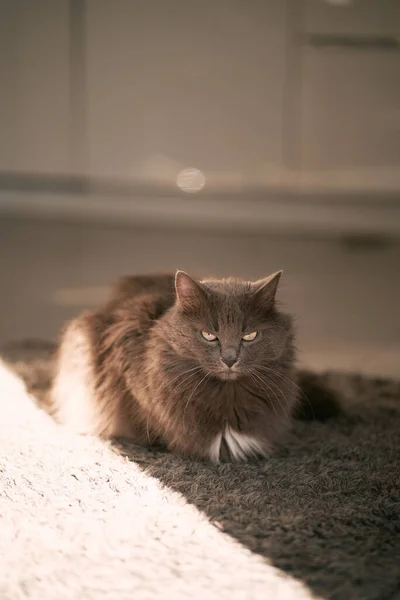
[205, 368]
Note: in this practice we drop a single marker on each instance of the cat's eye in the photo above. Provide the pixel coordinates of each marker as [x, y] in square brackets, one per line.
[249, 337]
[210, 337]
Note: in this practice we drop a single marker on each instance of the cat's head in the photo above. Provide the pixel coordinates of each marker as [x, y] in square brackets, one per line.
[230, 328]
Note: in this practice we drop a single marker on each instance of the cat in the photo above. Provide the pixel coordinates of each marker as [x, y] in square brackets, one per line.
[205, 368]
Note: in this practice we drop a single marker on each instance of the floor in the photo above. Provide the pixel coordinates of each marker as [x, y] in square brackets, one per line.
[346, 296]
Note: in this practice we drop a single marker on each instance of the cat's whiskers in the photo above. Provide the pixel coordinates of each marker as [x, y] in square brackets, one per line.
[285, 409]
[288, 381]
[256, 379]
[172, 380]
[188, 378]
[147, 428]
[267, 383]
[191, 374]
[191, 395]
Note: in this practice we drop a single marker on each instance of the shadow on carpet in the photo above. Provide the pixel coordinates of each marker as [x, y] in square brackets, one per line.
[325, 510]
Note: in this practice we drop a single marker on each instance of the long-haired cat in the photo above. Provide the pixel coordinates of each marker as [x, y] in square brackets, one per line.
[206, 368]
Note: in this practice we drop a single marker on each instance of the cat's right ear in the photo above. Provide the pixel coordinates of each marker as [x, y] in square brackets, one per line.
[189, 293]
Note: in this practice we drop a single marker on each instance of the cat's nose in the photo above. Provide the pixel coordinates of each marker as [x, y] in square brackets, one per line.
[229, 360]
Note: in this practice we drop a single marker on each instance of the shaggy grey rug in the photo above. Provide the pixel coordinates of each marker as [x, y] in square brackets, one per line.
[81, 519]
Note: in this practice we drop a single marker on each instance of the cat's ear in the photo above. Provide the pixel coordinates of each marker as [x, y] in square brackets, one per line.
[265, 290]
[190, 294]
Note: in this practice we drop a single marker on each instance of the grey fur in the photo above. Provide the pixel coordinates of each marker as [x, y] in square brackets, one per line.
[139, 367]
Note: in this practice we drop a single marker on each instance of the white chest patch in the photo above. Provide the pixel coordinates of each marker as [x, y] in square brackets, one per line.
[241, 445]
[215, 448]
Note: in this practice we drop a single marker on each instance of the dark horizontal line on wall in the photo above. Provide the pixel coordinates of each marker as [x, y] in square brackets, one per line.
[356, 42]
[229, 215]
[86, 186]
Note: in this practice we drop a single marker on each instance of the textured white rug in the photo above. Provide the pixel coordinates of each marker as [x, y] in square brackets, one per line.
[80, 519]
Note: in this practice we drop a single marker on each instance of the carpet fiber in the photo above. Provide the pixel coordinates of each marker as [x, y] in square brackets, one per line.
[82, 519]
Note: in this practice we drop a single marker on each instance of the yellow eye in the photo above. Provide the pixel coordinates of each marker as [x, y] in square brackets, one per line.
[210, 337]
[249, 337]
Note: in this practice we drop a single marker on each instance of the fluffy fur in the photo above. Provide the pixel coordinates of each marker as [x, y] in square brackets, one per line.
[140, 367]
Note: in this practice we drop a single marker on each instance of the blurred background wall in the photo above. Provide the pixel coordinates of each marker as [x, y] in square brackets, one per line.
[220, 136]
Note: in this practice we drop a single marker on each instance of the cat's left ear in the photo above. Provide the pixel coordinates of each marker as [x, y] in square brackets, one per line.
[265, 289]
[190, 293]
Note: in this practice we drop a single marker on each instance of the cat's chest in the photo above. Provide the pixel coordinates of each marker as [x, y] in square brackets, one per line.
[235, 416]
[234, 445]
